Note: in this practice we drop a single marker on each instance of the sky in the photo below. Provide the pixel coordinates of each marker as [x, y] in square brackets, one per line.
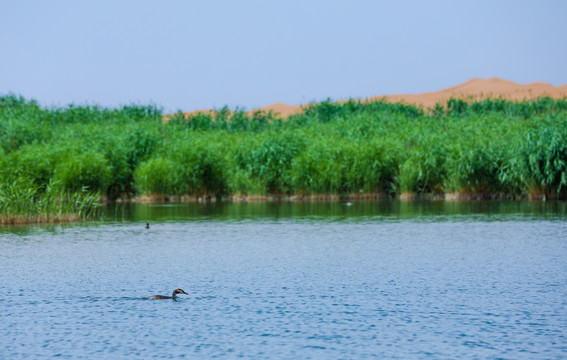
[189, 55]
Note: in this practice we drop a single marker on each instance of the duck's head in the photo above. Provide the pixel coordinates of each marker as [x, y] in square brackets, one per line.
[179, 291]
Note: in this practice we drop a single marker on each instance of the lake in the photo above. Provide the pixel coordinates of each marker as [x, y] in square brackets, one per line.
[386, 279]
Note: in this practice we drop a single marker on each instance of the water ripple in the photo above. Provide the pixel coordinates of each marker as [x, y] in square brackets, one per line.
[287, 288]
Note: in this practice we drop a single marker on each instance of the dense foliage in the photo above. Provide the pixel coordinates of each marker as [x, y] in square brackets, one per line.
[490, 147]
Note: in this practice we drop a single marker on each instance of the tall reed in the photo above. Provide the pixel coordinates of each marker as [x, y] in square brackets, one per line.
[23, 202]
[492, 146]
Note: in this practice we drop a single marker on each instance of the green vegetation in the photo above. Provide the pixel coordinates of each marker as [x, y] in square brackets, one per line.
[23, 202]
[68, 155]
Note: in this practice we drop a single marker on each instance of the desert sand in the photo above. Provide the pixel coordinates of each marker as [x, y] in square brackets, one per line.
[474, 89]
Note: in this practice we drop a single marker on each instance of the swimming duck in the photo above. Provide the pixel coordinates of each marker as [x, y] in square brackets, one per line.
[173, 296]
[147, 225]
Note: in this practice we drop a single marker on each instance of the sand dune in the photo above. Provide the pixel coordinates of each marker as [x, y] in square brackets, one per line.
[479, 89]
[474, 89]
[280, 109]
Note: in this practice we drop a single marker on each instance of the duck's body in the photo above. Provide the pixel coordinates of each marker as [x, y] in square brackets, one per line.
[160, 297]
[173, 295]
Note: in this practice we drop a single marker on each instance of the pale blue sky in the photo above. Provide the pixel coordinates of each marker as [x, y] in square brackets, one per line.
[187, 55]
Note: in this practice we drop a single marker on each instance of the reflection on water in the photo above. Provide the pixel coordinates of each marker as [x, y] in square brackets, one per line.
[387, 210]
[291, 280]
[338, 211]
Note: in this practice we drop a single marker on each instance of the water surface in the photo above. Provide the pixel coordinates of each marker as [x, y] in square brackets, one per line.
[285, 281]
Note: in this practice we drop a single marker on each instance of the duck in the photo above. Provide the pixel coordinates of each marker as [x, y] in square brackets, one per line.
[147, 225]
[173, 295]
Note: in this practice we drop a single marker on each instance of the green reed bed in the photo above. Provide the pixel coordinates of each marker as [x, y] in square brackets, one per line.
[22, 202]
[493, 148]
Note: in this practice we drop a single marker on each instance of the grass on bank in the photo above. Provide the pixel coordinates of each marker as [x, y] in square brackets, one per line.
[22, 202]
[494, 147]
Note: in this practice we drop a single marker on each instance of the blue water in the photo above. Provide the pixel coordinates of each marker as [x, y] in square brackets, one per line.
[290, 281]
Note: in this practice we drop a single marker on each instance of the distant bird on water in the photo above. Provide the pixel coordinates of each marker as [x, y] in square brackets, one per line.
[147, 225]
[173, 296]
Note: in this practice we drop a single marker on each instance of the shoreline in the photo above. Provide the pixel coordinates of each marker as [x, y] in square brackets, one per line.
[346, 199]
[12, 220]
[241, 198]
